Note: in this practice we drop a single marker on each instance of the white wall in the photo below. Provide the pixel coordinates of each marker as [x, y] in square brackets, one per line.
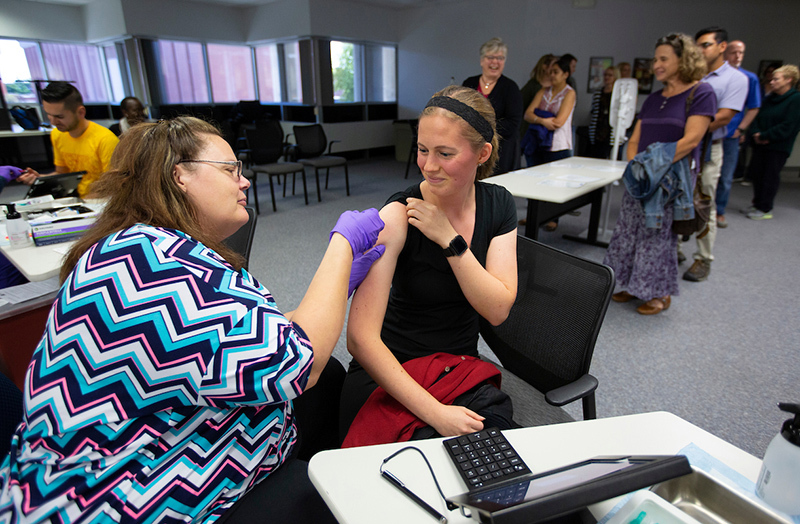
[104, 19]
[185, 20]
[30, 20]
[283, 18]
[441, 41]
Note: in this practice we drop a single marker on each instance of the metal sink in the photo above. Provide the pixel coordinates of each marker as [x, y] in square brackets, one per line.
[711, 502]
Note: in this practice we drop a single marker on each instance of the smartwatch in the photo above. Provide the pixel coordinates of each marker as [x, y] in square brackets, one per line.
[458, 246]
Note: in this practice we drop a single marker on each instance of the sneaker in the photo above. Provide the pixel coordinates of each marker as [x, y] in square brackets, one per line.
[721, 222]
[759, 215]
[748, 210]
[681, 257]
[746, 183]
[698, 272]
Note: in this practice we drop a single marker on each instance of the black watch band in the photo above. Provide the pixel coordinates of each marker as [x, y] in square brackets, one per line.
[458, 246]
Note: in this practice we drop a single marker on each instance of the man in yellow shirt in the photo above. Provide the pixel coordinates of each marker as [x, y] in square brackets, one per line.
[78, 144]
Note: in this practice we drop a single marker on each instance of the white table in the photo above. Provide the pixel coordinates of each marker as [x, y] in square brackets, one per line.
[37, 263]
[548, 199]
[350, 483]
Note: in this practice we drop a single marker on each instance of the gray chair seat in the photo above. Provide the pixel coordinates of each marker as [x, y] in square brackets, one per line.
[280, 168]
[324, 161]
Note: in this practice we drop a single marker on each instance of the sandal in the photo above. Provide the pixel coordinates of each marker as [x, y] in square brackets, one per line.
[622, 296]
[654, 306]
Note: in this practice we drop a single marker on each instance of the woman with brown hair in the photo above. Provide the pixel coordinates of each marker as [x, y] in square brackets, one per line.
[162, 387]
[645, 259]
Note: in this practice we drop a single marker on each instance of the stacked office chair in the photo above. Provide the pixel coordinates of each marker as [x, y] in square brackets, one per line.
[242, 240]
[310, 150]
[265, 147]
[549, 336]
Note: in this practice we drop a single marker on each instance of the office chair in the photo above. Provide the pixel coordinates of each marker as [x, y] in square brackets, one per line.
[10, 412]
[549, 336]
[242, 240]
[264, 148]
[311, 143]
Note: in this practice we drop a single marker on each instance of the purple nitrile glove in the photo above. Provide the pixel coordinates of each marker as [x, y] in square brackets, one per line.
[10, 172]
[361, 264]
[360, 228]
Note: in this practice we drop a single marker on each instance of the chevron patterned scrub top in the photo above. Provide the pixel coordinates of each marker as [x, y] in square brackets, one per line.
[160, 391]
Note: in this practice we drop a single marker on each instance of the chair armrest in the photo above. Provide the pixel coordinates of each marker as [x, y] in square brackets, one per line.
[572, 391]
[330, 146]
[244, 156]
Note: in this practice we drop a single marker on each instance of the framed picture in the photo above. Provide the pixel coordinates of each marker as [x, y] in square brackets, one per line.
[767, 67]
[643, 73]
[597, 65]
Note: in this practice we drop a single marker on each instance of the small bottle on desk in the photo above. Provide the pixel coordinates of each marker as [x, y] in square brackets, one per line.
[779, 482]
[17, 228]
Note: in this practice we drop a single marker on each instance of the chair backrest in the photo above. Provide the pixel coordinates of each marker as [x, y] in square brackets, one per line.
[311, 141]
[265, 142]
[549, 336]
[242, 240]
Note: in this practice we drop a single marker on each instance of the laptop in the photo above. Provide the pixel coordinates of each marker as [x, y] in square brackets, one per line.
[60, 186]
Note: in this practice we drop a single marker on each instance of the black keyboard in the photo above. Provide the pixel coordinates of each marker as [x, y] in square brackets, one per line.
[485, 458]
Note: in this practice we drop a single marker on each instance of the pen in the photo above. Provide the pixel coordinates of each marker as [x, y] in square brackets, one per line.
[421, 503]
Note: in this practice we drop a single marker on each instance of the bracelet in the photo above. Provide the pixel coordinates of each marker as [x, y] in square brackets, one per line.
[535, 119]
[743, 131]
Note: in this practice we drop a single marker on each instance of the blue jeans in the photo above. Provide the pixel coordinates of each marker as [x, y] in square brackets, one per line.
[544, 157]
[730, 156]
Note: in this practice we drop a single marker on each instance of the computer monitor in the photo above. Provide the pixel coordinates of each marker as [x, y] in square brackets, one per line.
[60, 185]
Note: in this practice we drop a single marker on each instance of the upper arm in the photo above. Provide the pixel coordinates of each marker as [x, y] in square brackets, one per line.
[368, 306]
[633, 142]
[566, 108]
[501, 261]
[106, 150]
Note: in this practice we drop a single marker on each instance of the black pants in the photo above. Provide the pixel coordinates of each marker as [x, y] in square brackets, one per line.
[765, 172]
[287, 494]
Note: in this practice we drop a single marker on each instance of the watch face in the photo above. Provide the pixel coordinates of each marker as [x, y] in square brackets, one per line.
[458, 246]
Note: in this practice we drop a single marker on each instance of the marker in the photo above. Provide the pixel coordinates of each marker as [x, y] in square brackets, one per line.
[421, 503]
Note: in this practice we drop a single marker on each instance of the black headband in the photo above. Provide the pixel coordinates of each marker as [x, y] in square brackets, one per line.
[470, 115]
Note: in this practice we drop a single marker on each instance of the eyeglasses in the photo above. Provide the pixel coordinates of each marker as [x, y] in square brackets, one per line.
[705, 45]
[235, 163]
[499, 58]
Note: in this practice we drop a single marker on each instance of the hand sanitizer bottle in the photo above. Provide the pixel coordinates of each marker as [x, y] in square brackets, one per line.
[17, 228]
[779, 480]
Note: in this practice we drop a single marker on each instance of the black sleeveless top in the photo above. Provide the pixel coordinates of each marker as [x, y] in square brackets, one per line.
[427, 311]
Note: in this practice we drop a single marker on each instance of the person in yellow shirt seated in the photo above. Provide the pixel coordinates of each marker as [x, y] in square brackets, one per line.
[78, 144]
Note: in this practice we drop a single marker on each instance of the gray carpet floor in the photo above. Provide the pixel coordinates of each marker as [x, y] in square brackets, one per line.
[720, 357]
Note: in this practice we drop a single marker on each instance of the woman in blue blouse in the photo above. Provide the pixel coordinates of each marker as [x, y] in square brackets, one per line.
[161, 390]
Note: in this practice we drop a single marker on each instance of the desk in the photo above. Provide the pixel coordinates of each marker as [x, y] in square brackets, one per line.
[37, 263]
[350, 483]
[547, 201]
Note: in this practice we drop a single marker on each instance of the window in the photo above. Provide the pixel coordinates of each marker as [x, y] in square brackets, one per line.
[230, 68]
[381, 73]
[183, 72]
[16, 59]
[346, 68]
[117, 71]
[294, 77]
[269, 73]
[79, 64]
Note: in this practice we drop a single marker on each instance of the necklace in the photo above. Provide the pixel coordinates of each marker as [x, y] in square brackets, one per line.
[487, 84]
[664, 103]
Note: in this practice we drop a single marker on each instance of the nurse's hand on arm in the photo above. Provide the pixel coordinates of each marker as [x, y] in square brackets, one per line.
[322, 310]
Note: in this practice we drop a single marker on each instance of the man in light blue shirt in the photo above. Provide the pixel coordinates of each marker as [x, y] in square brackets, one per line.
[730, 86]
[734, 139]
